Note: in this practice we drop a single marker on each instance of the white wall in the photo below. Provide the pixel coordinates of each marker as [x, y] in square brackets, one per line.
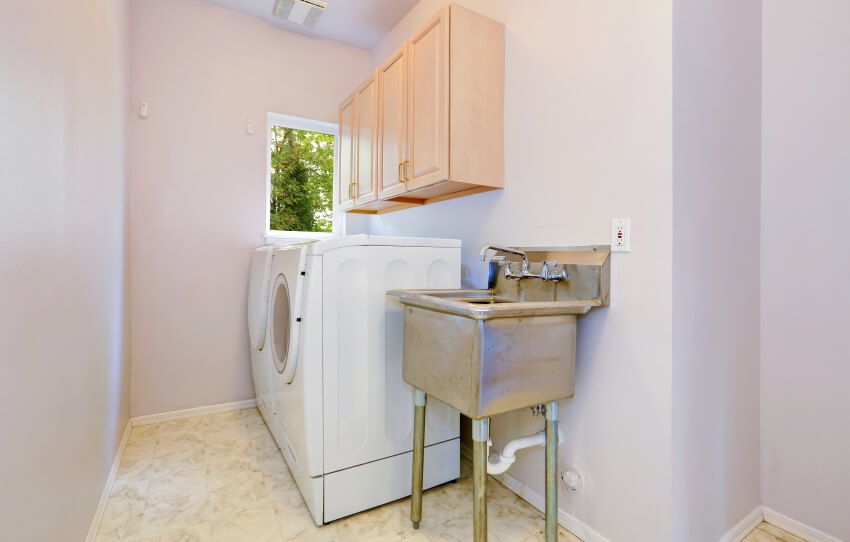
[64, 389]
[198, 185]
[588, 137]
[805, 370]
[716, 228]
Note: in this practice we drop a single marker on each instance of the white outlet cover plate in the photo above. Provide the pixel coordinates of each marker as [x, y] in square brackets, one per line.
[621, 235]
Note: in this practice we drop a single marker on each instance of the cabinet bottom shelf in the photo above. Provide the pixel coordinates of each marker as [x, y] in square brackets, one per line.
[417, 198]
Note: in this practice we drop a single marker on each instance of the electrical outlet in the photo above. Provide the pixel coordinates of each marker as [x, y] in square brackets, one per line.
[621, 235]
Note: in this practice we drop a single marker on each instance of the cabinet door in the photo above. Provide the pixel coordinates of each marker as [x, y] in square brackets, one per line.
[345, 173]
[367, 139]
[392, 119]
[428, 103]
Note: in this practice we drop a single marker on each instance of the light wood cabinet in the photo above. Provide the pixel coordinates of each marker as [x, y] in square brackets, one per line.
[428, 103]
[392, 121]
[345, 160]
[358, 137]
[365, 182]
[440, 115]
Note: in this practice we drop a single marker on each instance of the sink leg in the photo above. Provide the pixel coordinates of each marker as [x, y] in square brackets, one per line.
[480, 436]
[418, 457]
[552, 472]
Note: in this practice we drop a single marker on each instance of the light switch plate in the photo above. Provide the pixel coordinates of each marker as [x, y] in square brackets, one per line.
[621, 235]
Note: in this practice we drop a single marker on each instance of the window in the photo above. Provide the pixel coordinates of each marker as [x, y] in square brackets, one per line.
[300, 184]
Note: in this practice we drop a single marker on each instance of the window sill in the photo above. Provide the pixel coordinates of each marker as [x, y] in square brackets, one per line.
[275, 236]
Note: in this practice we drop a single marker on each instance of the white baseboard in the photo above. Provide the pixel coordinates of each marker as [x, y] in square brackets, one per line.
[567, 521]
[107, 488]
[190, 412]
[795, 527]
[745, 526]
[736, 534]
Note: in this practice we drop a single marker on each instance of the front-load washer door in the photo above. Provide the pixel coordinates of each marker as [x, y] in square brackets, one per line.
[285, 314]
[284, 351]
[258, 296]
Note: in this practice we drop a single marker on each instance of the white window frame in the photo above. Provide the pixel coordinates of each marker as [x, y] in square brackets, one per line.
[298, 123]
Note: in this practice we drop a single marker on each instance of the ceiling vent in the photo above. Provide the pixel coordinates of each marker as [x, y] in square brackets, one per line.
[304, 12]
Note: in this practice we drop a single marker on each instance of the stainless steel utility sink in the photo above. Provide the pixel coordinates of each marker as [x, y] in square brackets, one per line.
[485, 352]
[486, 305]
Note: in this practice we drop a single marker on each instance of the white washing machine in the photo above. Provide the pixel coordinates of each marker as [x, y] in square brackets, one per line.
[343, 417]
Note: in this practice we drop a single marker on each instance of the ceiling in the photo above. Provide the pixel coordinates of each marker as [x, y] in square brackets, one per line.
[361, 23]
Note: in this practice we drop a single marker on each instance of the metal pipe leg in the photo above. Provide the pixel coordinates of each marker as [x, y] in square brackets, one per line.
[551, 472]
[418, 457]
[480, 436]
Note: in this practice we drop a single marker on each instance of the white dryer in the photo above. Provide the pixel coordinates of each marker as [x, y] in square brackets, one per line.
[259, 289]
[343, 416]
[258, 309]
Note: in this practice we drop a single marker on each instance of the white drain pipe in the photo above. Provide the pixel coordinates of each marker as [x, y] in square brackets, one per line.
[499, 463]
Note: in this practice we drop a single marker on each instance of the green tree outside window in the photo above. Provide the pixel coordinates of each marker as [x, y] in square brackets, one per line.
[302, 166]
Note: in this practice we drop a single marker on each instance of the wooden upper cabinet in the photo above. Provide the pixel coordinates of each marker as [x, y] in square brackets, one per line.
[366, 100]
[440, 115]
[392, 122]
[346, 159]
[428, 103]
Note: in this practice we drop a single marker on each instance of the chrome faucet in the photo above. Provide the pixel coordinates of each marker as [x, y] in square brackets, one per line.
[547, 275]
[549, 269]
[508, 250]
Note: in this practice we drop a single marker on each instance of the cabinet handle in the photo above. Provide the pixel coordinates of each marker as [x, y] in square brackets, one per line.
[400, 174]
[406, 172]
[351, 190]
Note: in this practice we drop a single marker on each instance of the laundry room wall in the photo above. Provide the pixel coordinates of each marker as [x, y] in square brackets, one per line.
[805, 368]
[64, 356]
[716, 236]
[588, 137]
[198, 183]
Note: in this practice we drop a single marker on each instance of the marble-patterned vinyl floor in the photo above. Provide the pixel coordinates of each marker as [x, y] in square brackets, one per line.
[222, 478]
[768, 533]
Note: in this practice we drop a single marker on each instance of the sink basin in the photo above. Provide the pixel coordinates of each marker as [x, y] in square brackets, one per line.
[485, 352]
[486, 305]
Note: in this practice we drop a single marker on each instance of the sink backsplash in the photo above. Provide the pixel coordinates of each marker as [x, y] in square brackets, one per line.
[587, 267]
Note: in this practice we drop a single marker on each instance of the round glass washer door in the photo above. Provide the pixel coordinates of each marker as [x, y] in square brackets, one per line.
[284, 335]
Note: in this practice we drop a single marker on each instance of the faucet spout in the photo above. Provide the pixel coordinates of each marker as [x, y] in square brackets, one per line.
[508, 250]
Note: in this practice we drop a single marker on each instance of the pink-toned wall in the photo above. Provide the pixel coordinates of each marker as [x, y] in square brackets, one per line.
[716, 236]
[197, 185]
[64, 388]
[805, 370]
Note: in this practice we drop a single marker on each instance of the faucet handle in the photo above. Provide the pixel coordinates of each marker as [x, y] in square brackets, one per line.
[558, 276]
[545, 271]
